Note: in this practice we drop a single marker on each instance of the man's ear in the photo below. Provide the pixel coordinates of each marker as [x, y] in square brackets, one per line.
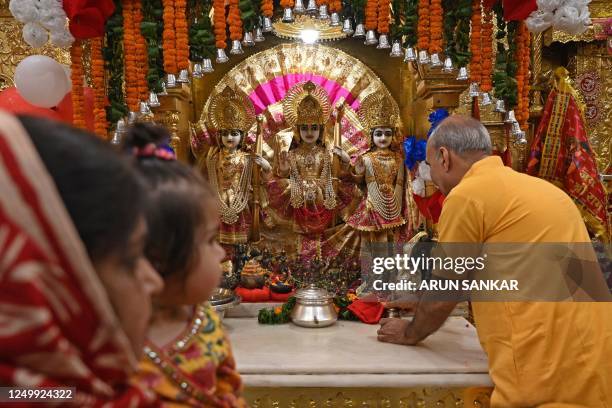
[445, 155]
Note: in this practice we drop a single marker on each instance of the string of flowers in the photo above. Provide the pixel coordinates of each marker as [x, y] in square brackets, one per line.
[267, 8]
[130, 50]
[435, 25]
[358, 8]
[169, 38]
[181, 34]
[234, 20]
[486, 83]
[220, 25]
[77, 77]
[248, 14]
[384, 11]
[99, 90]
[151, 30]
[286, 3]
[335, 6]
[522, 76]
[142, 63]
[113, 56]
[423, 26]
[406, 19]
[476, 43]
[371, 15]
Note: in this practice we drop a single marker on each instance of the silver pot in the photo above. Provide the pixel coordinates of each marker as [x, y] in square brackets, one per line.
[222, 300]
[314, 307]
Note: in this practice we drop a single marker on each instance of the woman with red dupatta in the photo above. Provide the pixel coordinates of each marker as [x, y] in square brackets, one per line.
[75, 287]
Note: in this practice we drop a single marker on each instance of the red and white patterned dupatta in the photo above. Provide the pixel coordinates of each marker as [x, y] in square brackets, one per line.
[57, 327]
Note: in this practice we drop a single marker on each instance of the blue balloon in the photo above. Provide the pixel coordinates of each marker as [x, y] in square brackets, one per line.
[414, 150]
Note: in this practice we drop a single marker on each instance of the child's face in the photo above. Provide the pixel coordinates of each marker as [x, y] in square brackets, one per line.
[205, 274]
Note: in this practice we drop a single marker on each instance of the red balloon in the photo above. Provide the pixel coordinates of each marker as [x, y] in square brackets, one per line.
[12, 101]
[64, 109]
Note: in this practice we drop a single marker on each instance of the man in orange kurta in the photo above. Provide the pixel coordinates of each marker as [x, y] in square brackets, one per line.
[540, 353]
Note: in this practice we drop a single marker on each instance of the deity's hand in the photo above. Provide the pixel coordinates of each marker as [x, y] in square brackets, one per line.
[263, 163]
[283, 161]
[359, 166]
[342, 154]
[394, 331]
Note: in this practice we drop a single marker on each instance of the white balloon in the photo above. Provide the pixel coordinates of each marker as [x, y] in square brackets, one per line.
[41, 81]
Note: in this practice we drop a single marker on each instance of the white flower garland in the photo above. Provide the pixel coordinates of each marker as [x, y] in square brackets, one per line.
[571, 16]
[422, 175]
[42, 19]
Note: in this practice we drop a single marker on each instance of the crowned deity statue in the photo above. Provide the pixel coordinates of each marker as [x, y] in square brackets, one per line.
[229, 167]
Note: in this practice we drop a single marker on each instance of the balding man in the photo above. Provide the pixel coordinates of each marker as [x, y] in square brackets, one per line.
[539, 353]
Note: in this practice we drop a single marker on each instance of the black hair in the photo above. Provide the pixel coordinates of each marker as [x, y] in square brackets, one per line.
[175, 208]
[100, 189]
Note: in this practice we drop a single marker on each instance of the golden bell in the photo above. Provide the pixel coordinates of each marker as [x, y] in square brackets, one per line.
[474, 90]
[435, 60]
[312, 7]
[410, 55]
[207, 66]
[510, 118]
[347, 27]
[500, 106]
[197, 71]
[287, 15]
[248, 41]
[299, 7]
[396, 50]
[267, 25]
[463, 74]
[383, 42]
[423, 57]
[221, 56]
[259, 37]
[237, 47]
[359, 31]
[371, 38]
[153, 100]
[335, 20]
[486, 99]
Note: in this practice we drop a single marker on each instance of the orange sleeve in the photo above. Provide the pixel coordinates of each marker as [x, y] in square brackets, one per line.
[461, 220]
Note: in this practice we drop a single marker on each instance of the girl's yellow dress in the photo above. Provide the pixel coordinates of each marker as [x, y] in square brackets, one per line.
[197, 369]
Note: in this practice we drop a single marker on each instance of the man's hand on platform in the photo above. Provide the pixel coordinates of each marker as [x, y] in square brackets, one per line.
[396, 331]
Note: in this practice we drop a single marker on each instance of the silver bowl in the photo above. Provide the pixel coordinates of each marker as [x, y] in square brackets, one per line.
[222, 300]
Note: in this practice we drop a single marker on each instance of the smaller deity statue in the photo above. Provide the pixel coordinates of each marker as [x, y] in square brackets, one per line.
[266, 258]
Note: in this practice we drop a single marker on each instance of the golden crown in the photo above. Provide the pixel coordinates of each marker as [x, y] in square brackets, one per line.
[378, 110]
[306, 103]
[231, 109]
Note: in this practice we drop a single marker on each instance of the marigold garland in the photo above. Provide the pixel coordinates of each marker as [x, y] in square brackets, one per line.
[77, 77]
[487, 51]
[523, 40]
[235, 21]
[131, 59]
[476, 43]
[99, 90]
[169, 38]
[182, 34]
[423, 26]
[286, 3]
[371, 15]
[335, 6]
[384, 11]
[142, 63]
[219, 23]
[267, 8]
[436, 17]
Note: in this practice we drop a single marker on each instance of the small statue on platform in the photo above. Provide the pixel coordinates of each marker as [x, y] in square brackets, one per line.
[266, 258]
[229, 166]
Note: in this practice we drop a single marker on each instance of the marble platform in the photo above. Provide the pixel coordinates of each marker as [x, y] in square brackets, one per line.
[349, 355]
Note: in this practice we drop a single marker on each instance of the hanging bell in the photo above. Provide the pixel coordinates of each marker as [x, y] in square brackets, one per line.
[499, 106]
[144, 109]
[248, 41]
[221, 56]
[237, 46]
[383, 42]
[521, 139]
[347, 27]
[163, 86]
[183, 77]
[486, 99]
[410, 55]
[510, 118]
[267, 25]
[299, 8]
[448, 65]
[423, 57]
[474, 91]
[153, 100]
[463, 74]
[312, 7]
[516, 128]
[359, 31]
[371, 38]
[132, 117]
[119, 132]
[259, 37]
[171, 81]
[335, 20]
[287, 15]
[323, 15]
[435, 60]
[197, 71]
[396, 50]
[207, 66]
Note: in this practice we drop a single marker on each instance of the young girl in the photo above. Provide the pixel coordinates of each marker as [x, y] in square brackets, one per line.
[188, 360]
